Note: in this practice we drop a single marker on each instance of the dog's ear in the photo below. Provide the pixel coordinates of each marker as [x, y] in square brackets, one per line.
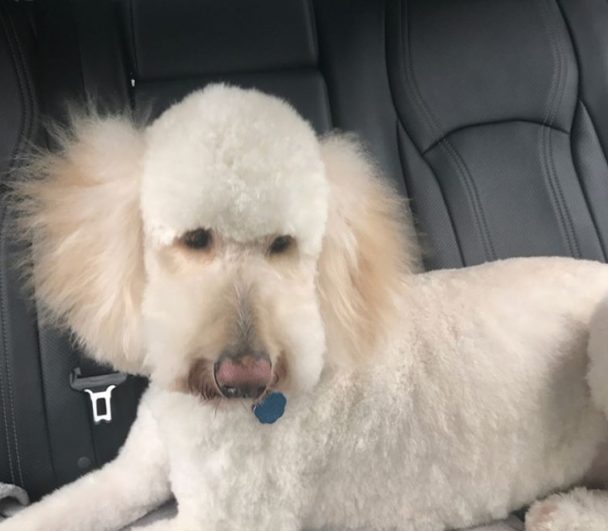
[79, 206]
[368, 252]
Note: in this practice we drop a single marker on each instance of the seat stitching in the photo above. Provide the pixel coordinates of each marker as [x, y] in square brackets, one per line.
[541, 138]
[9, 371]
[582, 106]
[432, 171]
[457, 157]
[4, 351]
[490, 123]
[6, 376]
[465, 175]
[554, 99]
[25, 90]
[583, 188]
[402, 130]
[28, 92]
[561, 195]
[45, 404]
[19, 65]
[549, 117]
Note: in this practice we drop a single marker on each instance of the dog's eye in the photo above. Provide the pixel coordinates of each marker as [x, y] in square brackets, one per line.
[198, 239]
[280, 244]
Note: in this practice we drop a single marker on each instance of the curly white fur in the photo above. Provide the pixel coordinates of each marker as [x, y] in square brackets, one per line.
[415, 401]
[212, 171]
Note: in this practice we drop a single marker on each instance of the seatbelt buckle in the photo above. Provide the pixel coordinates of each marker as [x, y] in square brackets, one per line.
[99, 388]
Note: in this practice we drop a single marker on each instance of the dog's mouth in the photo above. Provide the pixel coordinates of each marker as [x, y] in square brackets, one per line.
[249, 378]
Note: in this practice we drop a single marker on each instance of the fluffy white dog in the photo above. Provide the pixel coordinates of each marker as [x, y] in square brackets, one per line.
[230, 255]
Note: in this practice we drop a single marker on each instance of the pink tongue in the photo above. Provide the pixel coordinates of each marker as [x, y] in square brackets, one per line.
[245, 371]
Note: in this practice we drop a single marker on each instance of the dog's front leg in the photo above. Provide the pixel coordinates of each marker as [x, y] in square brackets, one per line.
[232, 489]
[109, 498]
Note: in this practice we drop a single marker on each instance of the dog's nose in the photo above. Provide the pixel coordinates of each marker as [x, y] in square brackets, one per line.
[243, 376]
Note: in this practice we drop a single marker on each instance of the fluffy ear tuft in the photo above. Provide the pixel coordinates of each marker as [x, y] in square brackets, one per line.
[369, 251]
[79, 206]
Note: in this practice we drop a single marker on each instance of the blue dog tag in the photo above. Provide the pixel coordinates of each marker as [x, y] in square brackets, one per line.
[271, 408]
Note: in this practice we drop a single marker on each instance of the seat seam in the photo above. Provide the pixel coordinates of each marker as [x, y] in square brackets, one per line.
[552, 106]
[462, 169]
[474, 193]
[441, 192]
[45, 401]
[590, 117]
[16, 52]
[9, 371]
[28, 107]
[26, 91]
[489, 124]
[587, 112]
[561, 92]
[6, 377]
[401, 124]
[583, 188]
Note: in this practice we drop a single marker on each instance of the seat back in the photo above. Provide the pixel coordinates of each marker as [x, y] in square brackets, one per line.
[494, 131]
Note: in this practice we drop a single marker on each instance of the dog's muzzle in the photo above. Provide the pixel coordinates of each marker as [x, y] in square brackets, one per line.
[243, 375]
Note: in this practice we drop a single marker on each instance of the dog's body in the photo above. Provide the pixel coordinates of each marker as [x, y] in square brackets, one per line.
[483, 393]
[440, 434]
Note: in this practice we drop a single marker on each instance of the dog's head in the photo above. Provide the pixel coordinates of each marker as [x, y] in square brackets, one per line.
[223, 250]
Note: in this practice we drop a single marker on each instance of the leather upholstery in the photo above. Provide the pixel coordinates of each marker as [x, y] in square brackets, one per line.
[24, 456]
[172, 52]
[305, 89]
[45, 426]
[194, 38]
[491, 116]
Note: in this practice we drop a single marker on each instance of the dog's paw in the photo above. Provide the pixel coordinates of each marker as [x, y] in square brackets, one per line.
[542, 515]
[579, 510]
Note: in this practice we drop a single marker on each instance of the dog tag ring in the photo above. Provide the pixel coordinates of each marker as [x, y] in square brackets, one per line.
[271, 409]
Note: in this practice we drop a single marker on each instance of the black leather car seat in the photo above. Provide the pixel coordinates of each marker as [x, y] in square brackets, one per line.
[23, 459]
[491, 116]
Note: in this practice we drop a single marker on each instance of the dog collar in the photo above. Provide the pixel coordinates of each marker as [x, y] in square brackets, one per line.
[271, 409]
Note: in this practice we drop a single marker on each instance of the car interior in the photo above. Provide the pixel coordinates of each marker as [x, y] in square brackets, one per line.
[491, 117]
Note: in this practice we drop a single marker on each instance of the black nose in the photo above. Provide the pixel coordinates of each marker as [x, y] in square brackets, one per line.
[244, 375]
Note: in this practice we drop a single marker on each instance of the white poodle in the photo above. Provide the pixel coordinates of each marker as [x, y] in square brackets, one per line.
[236, 259]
